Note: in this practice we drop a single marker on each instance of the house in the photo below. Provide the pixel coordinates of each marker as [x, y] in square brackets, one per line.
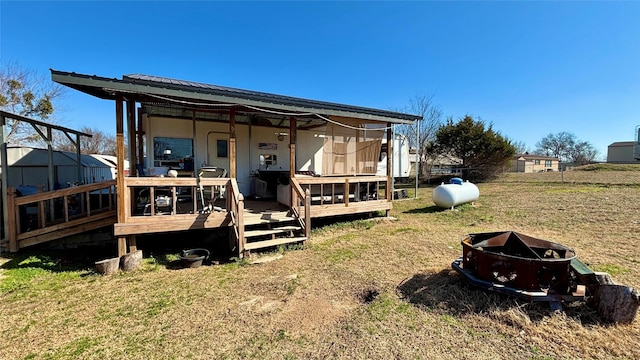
[260, 164]
[529, 163]
[622, 152]
[112, 162]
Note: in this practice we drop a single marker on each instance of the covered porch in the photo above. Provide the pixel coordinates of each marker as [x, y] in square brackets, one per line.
[262, 164]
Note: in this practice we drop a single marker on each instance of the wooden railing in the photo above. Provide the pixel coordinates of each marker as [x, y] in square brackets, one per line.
[50, 215]
[152, 196]
[155, 204]
[301, 206]
[235, 206]
[344, 195]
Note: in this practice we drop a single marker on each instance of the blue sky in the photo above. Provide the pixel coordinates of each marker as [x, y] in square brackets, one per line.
[530, 68]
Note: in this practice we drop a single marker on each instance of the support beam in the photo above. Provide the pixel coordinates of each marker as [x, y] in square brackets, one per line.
[232, 143]
[50, 159]
[122, 241]
[78, 161]
[131, 135]
[292, 147]
[140, 142]
[4, 175]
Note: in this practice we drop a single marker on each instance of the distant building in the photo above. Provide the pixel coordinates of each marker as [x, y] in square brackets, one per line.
[29, 167]
[621, 152]
[529, 163]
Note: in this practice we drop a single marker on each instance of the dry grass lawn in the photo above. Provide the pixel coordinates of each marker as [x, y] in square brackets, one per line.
[358, 290]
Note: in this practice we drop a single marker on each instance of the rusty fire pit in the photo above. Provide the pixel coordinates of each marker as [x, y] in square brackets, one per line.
[539, 270]
[520, 265]
[518, 260]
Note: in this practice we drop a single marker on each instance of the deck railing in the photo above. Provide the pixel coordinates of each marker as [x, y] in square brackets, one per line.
[345, 195]
[153, 196]
[161, 204]
[50, 215]
[235, 204]
[301, 206]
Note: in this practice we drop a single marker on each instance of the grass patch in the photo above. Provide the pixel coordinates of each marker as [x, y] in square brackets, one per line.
[611, 269]
[35, 272]
[609, 167]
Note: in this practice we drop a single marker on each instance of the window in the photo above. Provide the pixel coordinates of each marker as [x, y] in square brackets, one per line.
[222, 147]
[537, 162]
[169, 151]
[547, 163]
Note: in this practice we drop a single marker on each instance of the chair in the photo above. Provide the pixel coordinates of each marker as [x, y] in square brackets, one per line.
[211, 172]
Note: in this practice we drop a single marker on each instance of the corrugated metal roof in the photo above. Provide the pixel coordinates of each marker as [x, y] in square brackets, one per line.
[27, 156]
[534, 157]
[147, 88]
[261, 96]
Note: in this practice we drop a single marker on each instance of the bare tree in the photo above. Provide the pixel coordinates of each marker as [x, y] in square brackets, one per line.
[557, 145]
[24, 92]
[99, 143]
[426, 128]
[519, 146]
[567, 148]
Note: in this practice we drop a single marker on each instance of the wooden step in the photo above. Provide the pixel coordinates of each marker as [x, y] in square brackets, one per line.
[256, 219]
[263, 232]
[274, 242]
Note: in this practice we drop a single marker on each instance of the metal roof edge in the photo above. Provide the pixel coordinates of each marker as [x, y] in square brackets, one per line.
[140, 87]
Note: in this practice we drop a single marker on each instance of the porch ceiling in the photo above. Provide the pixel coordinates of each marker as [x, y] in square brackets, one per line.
[243, 116]
[187, 94]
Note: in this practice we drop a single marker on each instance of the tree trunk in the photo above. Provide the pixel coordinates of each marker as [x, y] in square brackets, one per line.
[131, 261]
[108, 266]
[617, 303]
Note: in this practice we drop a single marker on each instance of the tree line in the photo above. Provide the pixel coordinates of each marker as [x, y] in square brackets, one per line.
[474, 147]
[24, 92]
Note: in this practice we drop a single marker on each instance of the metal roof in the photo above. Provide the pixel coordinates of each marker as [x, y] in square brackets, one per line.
[146, 88]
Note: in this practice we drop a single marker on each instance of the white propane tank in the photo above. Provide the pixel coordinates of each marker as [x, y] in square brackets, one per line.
[455, 193]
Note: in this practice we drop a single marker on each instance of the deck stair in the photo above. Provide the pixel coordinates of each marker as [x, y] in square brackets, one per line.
[271, 229]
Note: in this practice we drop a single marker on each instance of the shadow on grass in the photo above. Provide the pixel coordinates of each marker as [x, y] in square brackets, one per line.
[449, 292]
[55, 260]
[425, 210]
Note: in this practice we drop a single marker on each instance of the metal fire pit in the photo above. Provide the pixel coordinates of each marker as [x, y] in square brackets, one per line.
[539, 270]
[520, 265]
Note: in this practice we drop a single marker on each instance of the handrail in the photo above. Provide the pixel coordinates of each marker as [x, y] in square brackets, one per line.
[344, 190]
[235, 206]
[27, 199]
[153, 183]
[298, 194]
[74, 214]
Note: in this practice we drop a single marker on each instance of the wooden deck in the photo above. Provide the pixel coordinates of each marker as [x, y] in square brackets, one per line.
[184, 204]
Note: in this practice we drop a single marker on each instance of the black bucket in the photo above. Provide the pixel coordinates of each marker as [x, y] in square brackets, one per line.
[194, 257]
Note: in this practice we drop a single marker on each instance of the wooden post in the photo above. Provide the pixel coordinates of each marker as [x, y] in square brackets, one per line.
[240, 219]
[307, 213]
[78, 161]
[292, 146]
[232, 143]
[4, 176]
[131, 132]
[389, 164]
[121, 191]
[292, 159]
[139, 143]
[133, 246]
[12, 227]
[346, 192]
